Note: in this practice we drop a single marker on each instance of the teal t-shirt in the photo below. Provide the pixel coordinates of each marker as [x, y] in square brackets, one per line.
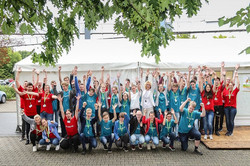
[162, 102]
[66, 100]
[138, 129]
[106, 128]
[175, 100]
[121, 130]
[187, 120]
[91, 100]
[183, 96]
[152, 131]
[195, 95]
[88, 129]
[81, 99]
[114, 100]
[167, 128]
[103, 100]
[125, 106]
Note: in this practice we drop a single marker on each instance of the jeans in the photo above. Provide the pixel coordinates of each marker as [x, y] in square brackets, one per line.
[107, 139]
[177, 114]
[184, 137]
[208, 121]
[169, 140]
[218, 113]
[196, 122]
[91, 140]
[230, 113]
[154, 139]
[70, 141]
[46, 115]
[123, 139]
[136, 139]
[54, 141]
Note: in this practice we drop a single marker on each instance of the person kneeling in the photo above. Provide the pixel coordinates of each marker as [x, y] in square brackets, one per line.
[136, 130]
[152, 131]
[87, 133]
[106, 128]
[50, 134]
[72, 137]
[187, 129]
[167, 135]
[121, 131]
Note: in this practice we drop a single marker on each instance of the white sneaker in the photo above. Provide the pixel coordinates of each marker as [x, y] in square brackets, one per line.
[153, 146]
[205, 137]
[57, 147]
[211, 136]
[39, 146]
[34, 148]
[148, 147]
[48, 147]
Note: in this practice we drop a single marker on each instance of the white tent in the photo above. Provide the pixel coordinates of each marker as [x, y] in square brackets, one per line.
[124, 56]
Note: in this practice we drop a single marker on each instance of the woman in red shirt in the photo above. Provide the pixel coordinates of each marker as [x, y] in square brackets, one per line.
[46, 103]
[230, 97]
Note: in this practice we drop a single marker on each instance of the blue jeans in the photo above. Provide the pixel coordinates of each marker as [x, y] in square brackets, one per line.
[177, 114]
[154, 139]
[230, 113]
[196, 122]
[136, 139]
[208, 122]
[184, 137]
[169, 140]
[46, 115]
[107, 139]
[91, 140]
[54, 141]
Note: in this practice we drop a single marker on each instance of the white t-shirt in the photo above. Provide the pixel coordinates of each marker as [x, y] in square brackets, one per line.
[146, 99]
[135, 100]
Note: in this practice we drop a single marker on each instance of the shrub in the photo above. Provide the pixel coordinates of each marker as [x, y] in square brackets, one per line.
[10, 92]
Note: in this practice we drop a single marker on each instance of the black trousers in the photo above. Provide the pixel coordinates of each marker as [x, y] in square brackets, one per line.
[123, 140]
[64, 132]
[70, 141]
[219, 117]
[27, 126]
[34, 138]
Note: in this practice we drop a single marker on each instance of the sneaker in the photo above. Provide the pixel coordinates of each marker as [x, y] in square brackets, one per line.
[191, 139]
[57, 147]
[228, 133]
[205, 136]
[83, 151]
[133, 147]
[34, 148]
[105, 147]
[164, 146]
[198, 152]
[27, 142]
[217, 133]
[220, 129]
[48, 147]
[140, 146]
[172, 148]
[153, 146]
[109, 151]
[211, 137]
[90, 148]
[125, 148]
[39, 146]
[22, 138]
[148, 147]
[202, 132]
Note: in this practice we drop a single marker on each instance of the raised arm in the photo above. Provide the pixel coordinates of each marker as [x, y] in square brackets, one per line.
[45, 79]
[222, 70]
[188, 78]
[102, 75]
[99, 111]
[59, 74]
[175, 119]
[37, 78]
[165, 117]
[183, 104]
[19, 70]
[61, 106]
[77, 105]
[201, 81]
[32, 93]
[203, 113]
[114, 112]
[238, 81]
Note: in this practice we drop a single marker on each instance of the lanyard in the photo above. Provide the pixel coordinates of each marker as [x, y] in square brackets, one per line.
[189, 117]
[121, 127]
[88, 123]
[113, 99]
[168, 125]
[230, 94]
[124, 104]
[175, 97]
[103, 96]
[30, 97]
[48, 132]
[45, 97]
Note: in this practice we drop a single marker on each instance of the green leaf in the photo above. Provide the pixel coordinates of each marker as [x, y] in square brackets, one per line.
[23, 28]
[221, 21]
[248, 28]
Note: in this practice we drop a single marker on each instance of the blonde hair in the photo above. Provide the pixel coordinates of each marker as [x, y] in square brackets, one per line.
[148, 82]
[192, 103]
[64, 83]
[37, 116]
[88, 109]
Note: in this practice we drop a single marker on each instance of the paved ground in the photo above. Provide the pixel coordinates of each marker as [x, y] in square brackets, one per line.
[14, 152]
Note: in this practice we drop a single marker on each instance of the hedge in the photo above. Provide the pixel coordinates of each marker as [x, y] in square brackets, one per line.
[10, 92]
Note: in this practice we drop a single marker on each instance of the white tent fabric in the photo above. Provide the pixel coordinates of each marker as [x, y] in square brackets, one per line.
[124, 56]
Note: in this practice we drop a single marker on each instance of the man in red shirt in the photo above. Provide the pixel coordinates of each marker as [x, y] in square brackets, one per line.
[72, 137]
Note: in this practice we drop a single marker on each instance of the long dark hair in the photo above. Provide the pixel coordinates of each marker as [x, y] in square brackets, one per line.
[209, 94]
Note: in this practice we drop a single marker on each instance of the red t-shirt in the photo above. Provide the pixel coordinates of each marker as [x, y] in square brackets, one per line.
[37, 131]
[49, 134]
[71, 126]
[218, 96]
[233, 100]
[209, 103]
[46, 102]
[30, 104]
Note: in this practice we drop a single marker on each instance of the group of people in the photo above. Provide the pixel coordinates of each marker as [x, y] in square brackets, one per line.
[172, 106]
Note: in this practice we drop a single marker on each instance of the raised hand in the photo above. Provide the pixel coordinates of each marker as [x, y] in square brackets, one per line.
[19, 70]
[102, 68]
[59, 98]
[147, 73]
[202, 105]
[118, 75]
[188, 99]
[59, 68]
[190, 68]
[114, 106]
[84, 77]
[222, 64]
[78, 97]
[84, 104]
[172, 111]
[99, 104]
[37, 72]
[237, 67]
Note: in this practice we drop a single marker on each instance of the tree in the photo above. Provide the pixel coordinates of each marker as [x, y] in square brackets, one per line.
[242, 17]
[6, 69]
[25, 54]
[137, 20]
